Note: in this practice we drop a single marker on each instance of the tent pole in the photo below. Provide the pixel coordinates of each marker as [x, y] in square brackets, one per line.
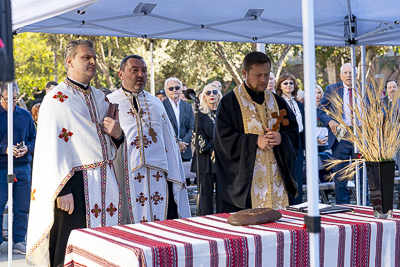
[363, 92]
[353, 85]
[261, 47]
[311, 126]
[152, 85]
[10, 113]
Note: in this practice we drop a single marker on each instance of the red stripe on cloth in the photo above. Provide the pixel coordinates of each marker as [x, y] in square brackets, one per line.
[279, 236]
[396, 218]
[88, 255]
[164, 254]
[360, 239]
[188, 246]
[74, 264]
[236, 247]
[257, 240]
[299, 238]
[214, 257]
[138, 251]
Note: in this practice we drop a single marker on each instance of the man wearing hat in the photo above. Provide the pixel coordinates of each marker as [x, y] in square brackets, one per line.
[161, 95]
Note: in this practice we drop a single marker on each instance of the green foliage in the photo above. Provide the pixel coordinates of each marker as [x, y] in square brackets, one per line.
[39, 58]
[33, 63]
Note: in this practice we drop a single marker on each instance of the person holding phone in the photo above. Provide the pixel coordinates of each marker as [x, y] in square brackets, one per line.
[24, 142]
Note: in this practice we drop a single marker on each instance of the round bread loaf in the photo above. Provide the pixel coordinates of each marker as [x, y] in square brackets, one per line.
[254, 216]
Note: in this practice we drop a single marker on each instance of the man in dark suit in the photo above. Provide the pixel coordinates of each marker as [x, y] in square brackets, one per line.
[340, 149]
[181, 116]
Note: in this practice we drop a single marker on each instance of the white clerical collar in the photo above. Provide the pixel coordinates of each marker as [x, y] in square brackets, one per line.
[173, 102]
[84, 85]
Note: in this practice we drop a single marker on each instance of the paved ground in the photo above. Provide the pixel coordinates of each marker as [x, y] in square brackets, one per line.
[18, 259]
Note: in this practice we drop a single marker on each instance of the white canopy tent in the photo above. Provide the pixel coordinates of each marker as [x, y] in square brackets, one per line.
[267, 21]
[254, 21]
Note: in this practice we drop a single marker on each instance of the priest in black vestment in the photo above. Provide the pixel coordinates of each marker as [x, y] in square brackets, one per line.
[255, 151]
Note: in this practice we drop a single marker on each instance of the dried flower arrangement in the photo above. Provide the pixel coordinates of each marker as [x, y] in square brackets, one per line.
[377, 131]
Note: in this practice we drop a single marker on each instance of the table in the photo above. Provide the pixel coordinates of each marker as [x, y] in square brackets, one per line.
[346, 239]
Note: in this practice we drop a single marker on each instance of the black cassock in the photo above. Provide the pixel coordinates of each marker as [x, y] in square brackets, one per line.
[235, 153]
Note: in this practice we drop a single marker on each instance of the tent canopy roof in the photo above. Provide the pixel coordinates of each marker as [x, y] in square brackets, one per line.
[256, 21]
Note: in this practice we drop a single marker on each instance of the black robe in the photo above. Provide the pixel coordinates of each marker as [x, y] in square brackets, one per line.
[235, 154]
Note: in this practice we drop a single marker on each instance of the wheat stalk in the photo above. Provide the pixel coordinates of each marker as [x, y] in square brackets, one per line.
[376, 134]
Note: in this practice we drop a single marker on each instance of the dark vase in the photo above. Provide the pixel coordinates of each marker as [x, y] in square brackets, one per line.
[381, 185]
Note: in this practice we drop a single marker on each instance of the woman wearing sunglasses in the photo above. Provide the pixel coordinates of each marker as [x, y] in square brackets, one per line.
[287, 87]
[209, 100]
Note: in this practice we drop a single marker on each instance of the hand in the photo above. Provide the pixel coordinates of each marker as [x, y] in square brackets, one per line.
[22, 151]
[333, 125]
[182, 146]
[112, 127]
[262, 142]
[66, 203]
[273, 138]
[15, 151]
[322, 141]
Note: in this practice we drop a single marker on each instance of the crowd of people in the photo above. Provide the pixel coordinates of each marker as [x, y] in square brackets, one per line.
[107, 158]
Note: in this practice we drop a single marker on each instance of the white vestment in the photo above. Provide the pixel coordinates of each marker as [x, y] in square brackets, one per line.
[150, 157]
[70, 139]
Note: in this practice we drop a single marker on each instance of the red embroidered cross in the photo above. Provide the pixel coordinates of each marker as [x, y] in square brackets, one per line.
[139, 177]
[96, 210]
[157, 176]
[111, 209]
[60, 96]
[65, 134]
[146, 142]
[143, 220]
[136, 142]
[141, 199]
[106, 99]
[155, 219]
[157, 198]
[131, 112]
[33, 194]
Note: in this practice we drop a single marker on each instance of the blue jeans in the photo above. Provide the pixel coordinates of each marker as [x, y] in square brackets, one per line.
[21, 200]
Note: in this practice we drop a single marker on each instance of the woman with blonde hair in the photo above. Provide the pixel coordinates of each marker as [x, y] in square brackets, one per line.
[209, 100]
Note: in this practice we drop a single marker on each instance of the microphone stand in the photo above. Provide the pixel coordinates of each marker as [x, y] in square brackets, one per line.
[196, 147]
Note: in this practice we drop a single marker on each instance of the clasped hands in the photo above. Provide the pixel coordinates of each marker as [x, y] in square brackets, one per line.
[19, 152]
[269, 140]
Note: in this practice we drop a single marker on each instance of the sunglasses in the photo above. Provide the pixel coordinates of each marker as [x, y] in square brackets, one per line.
[176, 88]
[215, 92]
[287, 83]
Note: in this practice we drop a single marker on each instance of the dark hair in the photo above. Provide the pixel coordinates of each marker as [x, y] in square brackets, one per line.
[388, 81]
[283, 78]
[255, 58]
[51, 83]
[105, 90]
[123, 62]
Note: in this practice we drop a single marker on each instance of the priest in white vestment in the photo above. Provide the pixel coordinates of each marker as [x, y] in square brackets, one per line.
[73, 183]
[153, 173]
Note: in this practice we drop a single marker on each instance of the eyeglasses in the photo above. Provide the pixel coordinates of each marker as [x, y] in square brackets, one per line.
[215, 92]
[6, 99]
[176, 88]
[288, 83]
